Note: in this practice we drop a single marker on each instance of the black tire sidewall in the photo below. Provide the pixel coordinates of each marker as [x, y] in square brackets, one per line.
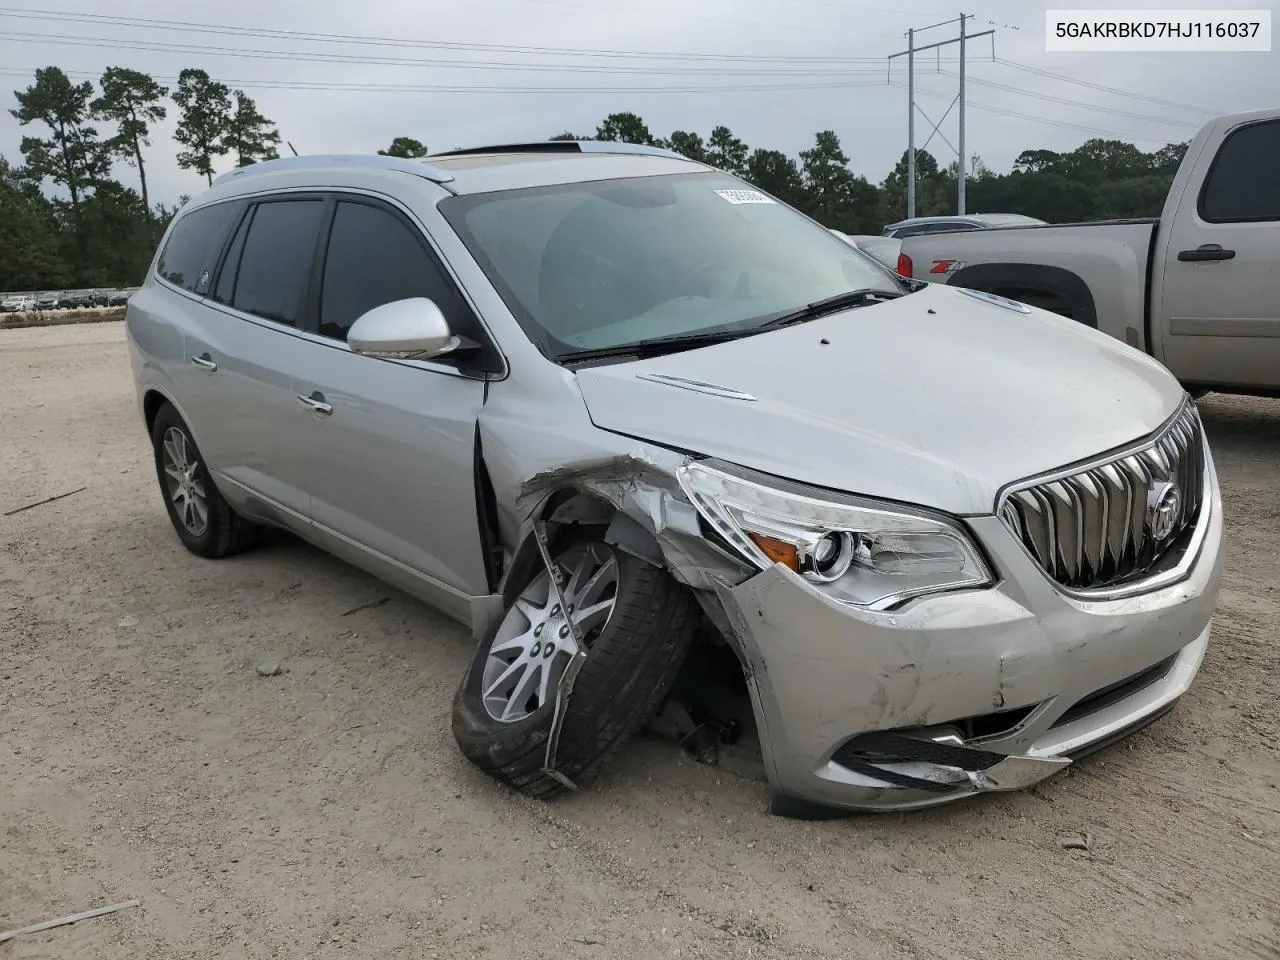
[598, 718]
[484, 740]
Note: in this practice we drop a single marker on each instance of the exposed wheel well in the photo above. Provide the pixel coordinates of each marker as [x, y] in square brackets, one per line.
[1051, 288]
[562, 510]
[152, 400]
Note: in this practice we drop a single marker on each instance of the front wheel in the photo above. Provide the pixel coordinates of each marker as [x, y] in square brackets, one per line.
[636, 624]
[205, 523]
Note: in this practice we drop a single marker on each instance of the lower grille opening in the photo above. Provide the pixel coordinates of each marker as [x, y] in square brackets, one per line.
[1100, 699]
[988, 726]
[867, 751]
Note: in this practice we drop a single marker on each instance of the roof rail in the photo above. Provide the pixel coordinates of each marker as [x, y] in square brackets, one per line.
[569, 146]
[354, 160]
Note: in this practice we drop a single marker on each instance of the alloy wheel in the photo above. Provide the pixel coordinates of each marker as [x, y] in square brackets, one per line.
[534, 642]
[183, 483]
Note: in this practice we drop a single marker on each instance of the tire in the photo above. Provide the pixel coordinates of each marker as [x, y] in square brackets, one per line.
[632, 662]
[224, 532]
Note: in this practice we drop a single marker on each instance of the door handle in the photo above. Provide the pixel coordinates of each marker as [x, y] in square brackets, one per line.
[316, 403]
[206, 361]
[1206, 251]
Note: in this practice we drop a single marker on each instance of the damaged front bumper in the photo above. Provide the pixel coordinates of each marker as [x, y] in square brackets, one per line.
[959, 693]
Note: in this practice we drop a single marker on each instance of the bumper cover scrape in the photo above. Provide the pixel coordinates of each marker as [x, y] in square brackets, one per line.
[937, 762]
[821, 674]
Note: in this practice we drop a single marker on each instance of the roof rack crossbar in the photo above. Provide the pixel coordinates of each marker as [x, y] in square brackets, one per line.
[415, 168]
[567, 146]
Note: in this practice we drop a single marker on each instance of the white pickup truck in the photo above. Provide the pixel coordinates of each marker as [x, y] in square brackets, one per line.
[1198, 288]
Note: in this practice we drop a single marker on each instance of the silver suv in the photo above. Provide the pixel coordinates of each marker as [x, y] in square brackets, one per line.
[598, 402]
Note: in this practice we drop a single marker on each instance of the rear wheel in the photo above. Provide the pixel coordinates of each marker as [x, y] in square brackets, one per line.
[203, 520]
[636, 624]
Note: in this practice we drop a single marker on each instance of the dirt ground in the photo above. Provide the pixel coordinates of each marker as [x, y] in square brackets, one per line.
[325, 812]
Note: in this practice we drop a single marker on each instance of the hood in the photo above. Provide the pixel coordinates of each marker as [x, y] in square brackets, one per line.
[937, 399]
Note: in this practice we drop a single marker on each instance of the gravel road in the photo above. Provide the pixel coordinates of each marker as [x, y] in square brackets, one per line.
[325, 811]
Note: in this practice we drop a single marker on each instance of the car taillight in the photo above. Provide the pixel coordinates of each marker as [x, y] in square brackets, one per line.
[905, 265]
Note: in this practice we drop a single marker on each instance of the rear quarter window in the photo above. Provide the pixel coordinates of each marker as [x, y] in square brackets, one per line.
[190, 252]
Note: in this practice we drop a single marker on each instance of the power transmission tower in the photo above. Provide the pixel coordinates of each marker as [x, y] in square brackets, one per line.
[910, 54]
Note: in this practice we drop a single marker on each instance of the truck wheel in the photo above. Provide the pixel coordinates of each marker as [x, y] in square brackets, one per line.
[636, 623]
[204, 521]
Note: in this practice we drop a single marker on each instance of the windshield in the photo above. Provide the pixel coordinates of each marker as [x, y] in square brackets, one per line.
[590, 266]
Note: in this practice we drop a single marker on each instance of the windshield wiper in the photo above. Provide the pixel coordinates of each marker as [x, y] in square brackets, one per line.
[841, 301]
[656, 346]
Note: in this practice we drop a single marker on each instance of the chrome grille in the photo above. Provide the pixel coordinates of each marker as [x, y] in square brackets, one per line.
[1101, 526]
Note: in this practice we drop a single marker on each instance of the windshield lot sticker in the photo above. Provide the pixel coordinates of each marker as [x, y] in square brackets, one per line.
[745, 196]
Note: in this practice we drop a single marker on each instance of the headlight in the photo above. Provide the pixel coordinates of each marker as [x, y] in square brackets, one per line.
[859, 552]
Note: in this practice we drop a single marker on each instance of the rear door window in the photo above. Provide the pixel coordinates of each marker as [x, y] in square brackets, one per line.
[193, 246]
[1244, 181]
[275, 262]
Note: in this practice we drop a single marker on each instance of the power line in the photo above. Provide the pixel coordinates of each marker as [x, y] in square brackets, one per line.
[292, 56]
[1039, 71]
[1064, 124]
[1072, 103]
[151, 23]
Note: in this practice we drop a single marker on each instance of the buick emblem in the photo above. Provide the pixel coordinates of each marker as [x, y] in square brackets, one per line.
[1164, 508]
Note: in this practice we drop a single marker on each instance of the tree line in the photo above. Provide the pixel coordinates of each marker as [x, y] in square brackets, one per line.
[1100, 179]
[104, 233]
[97, 231]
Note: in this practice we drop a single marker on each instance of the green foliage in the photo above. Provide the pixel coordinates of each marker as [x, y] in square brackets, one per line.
[132, 101]
[73, 156]
[406, 147]
[206, 120]
[249, 136]
[935, 189]
[833, 195]
[727, 152]
[626, 128]
[777, 174]
[30, 249]
[689, 145]
[105, 234]
[119, 237]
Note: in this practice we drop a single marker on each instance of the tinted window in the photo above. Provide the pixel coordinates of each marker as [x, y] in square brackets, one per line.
[1244, 181]
[374, 258]
[275, 265]
[225, 290]
[193, 246]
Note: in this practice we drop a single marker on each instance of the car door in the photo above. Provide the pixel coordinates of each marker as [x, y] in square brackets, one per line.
[391, 453]
[1220, 290]
[248, 349]
[172, 324]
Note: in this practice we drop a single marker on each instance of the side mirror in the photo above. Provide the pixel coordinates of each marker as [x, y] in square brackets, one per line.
[403, 329]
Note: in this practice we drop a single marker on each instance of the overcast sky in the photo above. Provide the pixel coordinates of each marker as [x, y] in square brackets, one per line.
[1011, 107]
